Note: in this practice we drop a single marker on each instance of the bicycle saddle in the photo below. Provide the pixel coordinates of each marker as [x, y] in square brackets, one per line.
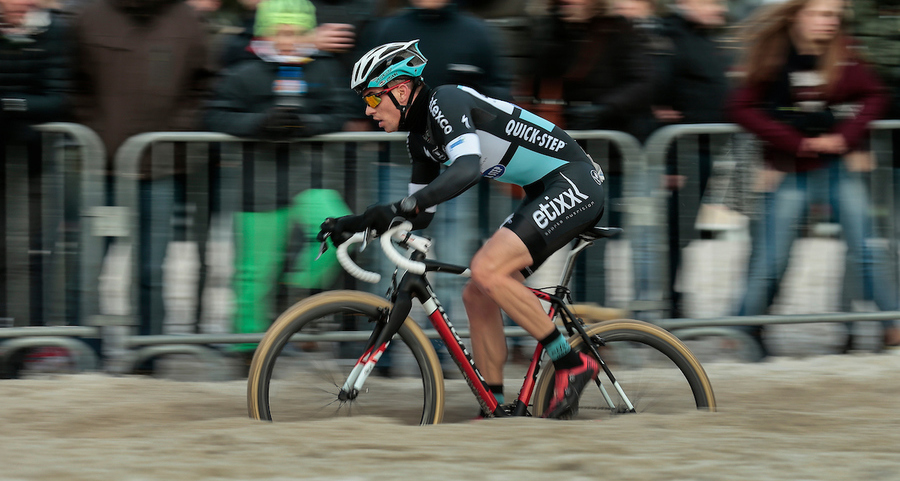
[595, 233]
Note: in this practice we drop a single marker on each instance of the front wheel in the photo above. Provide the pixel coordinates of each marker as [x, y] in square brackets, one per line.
[655, 370]
[308, 352]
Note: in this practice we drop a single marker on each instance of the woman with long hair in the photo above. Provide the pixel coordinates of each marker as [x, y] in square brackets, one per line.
[808, 95]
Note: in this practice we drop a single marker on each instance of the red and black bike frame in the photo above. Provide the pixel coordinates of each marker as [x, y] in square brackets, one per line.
[417, 286]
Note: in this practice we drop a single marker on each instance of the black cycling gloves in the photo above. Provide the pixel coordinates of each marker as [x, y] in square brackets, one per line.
[378, 217]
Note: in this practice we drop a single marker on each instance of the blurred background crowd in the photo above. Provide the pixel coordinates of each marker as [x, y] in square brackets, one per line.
[804, 77]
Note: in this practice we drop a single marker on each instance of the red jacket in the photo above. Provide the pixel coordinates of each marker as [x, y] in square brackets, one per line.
[857, 84]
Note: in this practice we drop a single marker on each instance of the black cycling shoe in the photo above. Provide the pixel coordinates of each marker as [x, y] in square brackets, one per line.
[568, 385]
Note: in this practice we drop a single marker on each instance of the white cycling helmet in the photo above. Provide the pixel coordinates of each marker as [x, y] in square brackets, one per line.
[385, 63]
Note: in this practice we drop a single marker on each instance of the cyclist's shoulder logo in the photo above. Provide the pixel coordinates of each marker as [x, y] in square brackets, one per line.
[494, 172]
[442, 123]
[598, 176]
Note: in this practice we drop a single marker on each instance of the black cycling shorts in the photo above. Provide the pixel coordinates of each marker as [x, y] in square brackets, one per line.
[563, 204]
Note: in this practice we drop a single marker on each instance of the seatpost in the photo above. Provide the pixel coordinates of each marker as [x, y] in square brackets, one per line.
[569, 268]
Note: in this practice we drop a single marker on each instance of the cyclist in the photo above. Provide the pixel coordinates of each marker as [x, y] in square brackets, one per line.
[477, 136]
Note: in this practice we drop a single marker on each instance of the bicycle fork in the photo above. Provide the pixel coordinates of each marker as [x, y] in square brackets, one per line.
[378, 343]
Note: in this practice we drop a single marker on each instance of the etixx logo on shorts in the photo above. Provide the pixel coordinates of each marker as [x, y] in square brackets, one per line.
[557, 206]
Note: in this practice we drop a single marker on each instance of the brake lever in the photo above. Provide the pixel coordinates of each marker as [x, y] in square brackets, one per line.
[365, 241]
[323, 247]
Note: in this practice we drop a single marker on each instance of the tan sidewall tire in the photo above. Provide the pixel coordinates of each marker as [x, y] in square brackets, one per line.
[292, 319]
[543, 391]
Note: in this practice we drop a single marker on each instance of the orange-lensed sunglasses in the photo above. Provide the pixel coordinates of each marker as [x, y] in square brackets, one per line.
[374, 99]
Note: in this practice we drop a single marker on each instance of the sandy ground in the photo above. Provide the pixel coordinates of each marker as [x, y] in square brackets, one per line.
[814, 418]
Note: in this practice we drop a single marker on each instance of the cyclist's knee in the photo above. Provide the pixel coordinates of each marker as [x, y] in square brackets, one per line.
[473, 294]
[483, 276]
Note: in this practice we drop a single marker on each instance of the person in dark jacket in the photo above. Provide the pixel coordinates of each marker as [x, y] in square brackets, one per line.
[35, 77]
[657, 46]
[289, 90]
[461, 48]
[601, 64]
[339, 24]
[694, 82]
[142, 66]
[691, 88]
[800, 70]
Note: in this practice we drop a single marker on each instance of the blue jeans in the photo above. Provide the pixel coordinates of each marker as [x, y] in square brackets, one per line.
[774, 233]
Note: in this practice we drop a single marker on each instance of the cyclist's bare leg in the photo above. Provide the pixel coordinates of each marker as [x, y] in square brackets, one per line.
[496, 276]
[486, 328]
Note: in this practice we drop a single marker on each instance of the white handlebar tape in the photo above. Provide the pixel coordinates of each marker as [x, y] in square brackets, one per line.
[350, 266]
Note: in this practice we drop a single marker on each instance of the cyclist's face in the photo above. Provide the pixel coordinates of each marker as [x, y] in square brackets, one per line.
[386, 113]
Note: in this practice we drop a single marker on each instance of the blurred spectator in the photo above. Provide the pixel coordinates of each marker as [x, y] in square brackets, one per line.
[218, 28]
[141, 66]
[235, 48]
[599, 61]
[492, 9]
[692, 88]
[644, 240]
[35, 76]
[288, 90]
[340, 23]
[875, 23]
[656, 45]
[461, 49]
[694, 82]
[800, 72]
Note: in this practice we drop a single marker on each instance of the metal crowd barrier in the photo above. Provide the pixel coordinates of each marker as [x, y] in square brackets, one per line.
[657, 149]
[63, 260]
[364, 167]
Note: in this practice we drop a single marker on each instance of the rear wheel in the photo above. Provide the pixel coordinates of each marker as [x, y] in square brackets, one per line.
[655, 370]
[299, 377]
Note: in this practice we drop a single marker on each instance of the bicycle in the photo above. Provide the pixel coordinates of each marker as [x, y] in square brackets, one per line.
[656, 370]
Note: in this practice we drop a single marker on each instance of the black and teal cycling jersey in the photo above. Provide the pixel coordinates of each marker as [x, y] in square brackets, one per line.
[478, 136]
[512, 145]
